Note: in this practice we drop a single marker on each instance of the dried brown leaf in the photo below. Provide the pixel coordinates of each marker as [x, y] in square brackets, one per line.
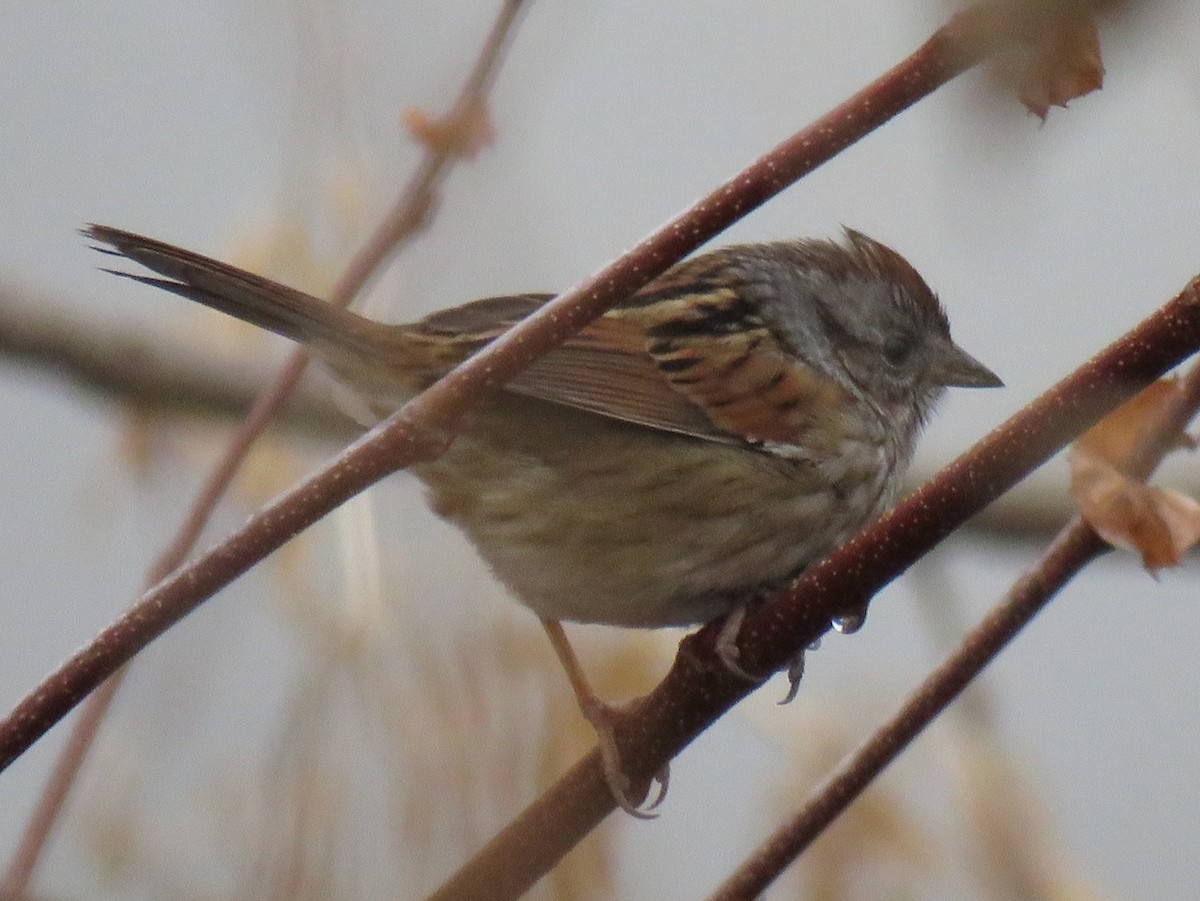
[1160, 525]
[1114, 437]
[1064, 62]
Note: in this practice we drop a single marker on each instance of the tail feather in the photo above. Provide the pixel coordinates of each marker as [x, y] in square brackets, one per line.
[249, 297]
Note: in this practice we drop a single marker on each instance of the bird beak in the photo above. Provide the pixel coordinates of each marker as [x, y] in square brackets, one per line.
[955, 368]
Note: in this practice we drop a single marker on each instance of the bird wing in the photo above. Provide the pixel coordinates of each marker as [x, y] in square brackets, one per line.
[603, 369]
[689, 353]
[686, 354]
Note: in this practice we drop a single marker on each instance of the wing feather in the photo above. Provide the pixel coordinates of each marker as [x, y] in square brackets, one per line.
[686, 355]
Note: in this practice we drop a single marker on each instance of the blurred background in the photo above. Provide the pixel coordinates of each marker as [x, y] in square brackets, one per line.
[356, 716]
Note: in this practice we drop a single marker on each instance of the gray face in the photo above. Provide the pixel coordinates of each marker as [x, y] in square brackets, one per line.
[860, 314]
[886, 343]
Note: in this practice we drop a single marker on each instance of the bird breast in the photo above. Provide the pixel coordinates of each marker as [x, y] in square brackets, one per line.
[591, 520]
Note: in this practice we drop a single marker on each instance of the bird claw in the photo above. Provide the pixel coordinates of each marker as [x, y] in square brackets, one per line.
[727, 649]
[795, 672]
[601, 717]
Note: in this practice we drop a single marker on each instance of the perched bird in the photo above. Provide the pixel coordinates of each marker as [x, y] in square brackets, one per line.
[735, 420]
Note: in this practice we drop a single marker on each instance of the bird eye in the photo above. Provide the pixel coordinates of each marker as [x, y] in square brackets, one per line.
[897, 351]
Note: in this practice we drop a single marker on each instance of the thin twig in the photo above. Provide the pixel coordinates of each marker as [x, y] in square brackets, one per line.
[1074, 547]
[151, 373]
[407, 217]
[410, 212]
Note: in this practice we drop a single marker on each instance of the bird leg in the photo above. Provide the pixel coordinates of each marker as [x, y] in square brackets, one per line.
[602, 718]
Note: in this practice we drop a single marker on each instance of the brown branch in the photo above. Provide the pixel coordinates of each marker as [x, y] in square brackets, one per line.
[411, 210]
[407, 217]
[1033, 512]
[1075, 546]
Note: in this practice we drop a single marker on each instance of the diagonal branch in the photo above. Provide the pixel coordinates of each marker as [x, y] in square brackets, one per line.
[1073, 548]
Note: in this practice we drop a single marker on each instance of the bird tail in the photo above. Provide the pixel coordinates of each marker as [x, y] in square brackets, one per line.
[249, 297]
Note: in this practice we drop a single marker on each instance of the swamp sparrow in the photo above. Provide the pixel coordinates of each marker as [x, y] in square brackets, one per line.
[738, 418]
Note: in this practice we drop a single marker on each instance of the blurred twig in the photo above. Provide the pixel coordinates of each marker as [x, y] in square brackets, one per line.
[172, 377]
[406, 218]
[155, 373]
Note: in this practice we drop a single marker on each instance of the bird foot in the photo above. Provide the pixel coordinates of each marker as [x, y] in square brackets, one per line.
[726, 645]
[728, 652]
[603, 719]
